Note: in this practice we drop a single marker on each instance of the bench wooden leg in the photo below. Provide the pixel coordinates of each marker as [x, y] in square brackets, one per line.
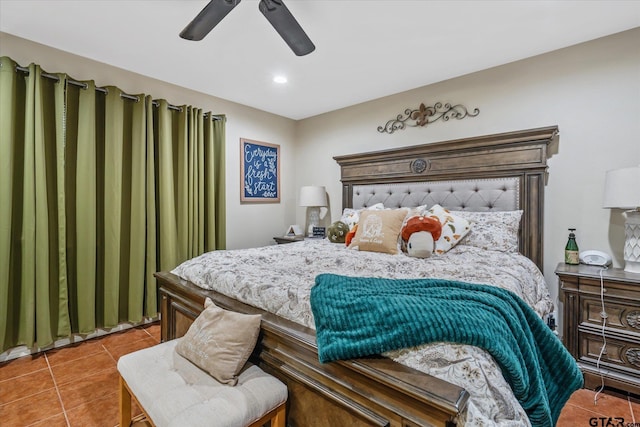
[125, 404]
[276, 417]
[280, 416]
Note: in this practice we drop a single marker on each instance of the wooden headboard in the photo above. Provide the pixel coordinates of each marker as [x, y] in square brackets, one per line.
[512, 159]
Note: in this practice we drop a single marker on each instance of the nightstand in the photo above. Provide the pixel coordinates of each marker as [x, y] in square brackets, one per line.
[582, 324]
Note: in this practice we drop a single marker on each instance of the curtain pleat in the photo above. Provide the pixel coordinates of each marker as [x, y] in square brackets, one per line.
[97, 193]
[216, 190]
[12, 94]
[137, 217]
[200, 172]
[29, 264]
[195, 172]
[169, 247]
[210, 202]
[113, 188]
[192, 178]
[183, 196]
[82, 170]
[151, 238]
[60, 305]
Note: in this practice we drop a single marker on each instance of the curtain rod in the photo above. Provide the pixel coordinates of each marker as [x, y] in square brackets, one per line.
[105, 91]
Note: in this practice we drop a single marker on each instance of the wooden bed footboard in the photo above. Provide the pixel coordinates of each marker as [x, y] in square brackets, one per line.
[360, 392]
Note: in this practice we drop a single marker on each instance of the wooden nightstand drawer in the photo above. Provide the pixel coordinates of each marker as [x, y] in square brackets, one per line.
[623, 356]
[611, 290]
[625, 318]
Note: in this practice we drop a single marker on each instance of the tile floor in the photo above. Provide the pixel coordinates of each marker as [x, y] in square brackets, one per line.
[70, 386]
[78, 386]
[580, 411]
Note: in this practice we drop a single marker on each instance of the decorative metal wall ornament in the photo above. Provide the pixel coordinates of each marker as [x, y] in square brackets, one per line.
[424, 115]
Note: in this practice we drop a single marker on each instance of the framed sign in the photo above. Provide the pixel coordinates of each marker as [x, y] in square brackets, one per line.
[260, 172]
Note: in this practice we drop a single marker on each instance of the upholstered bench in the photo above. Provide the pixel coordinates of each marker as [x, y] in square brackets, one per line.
[172, 391]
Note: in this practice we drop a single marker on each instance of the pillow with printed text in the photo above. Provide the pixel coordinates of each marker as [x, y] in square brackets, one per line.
[379, 230]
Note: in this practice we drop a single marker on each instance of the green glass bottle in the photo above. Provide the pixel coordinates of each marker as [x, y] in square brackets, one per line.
[571, 254]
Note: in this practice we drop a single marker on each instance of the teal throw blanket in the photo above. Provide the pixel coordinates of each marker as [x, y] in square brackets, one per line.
[358, 316]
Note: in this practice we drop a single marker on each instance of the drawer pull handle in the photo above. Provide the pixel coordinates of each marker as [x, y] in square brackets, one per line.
[633, 319]
[633, 356]
[604, 314]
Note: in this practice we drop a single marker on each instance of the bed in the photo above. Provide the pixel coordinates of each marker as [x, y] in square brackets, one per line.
[434, 384]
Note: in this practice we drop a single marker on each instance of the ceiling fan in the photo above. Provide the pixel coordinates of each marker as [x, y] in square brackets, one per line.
[275, 11]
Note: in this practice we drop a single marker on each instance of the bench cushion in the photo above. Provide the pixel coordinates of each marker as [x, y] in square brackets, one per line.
[175, 392]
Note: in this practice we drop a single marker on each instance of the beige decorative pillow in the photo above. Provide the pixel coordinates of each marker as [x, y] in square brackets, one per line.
[454, 228]
[378, 231]
[220, 341]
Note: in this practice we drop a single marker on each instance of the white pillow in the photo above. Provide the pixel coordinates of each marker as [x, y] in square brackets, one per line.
[495, 230]
[352, 216]
[454, 228]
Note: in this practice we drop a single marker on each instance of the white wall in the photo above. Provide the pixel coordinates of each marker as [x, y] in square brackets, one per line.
[591, 91]
[247, 224]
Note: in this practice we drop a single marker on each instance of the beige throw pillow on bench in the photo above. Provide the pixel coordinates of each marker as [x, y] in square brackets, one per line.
[220, 341]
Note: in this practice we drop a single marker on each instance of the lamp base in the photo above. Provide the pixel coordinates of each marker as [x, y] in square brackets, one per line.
[632, 267]
[632, 242]
[313, 219]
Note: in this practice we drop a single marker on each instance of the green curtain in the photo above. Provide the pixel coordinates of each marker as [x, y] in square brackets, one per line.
[97, 192]
[106, 187]
[33, 280]
[192, 184]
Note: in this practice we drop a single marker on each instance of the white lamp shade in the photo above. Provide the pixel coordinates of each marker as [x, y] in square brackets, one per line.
[312, 195]
[622, 188]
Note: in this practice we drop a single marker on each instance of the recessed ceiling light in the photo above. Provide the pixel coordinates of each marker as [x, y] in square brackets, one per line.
[280, 79]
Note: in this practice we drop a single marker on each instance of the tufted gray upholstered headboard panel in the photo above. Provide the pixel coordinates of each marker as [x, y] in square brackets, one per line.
[496, 194]
[508, 170]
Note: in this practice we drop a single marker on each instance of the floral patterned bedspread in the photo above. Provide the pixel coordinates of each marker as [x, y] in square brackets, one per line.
[279, 278]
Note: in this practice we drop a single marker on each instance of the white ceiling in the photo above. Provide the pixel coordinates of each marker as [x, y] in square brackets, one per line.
[365, 49]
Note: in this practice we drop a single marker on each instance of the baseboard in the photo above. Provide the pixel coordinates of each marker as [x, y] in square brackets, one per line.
[20, 351]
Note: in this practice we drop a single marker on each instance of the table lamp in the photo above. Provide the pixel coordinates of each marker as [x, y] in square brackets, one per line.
[313, 197]
[622, 191]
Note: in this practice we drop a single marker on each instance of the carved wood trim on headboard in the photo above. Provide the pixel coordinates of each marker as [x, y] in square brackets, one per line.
[519, 154]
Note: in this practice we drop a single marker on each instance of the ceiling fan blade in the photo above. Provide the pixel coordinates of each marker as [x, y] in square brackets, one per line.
[286, 25]
[208, 18]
